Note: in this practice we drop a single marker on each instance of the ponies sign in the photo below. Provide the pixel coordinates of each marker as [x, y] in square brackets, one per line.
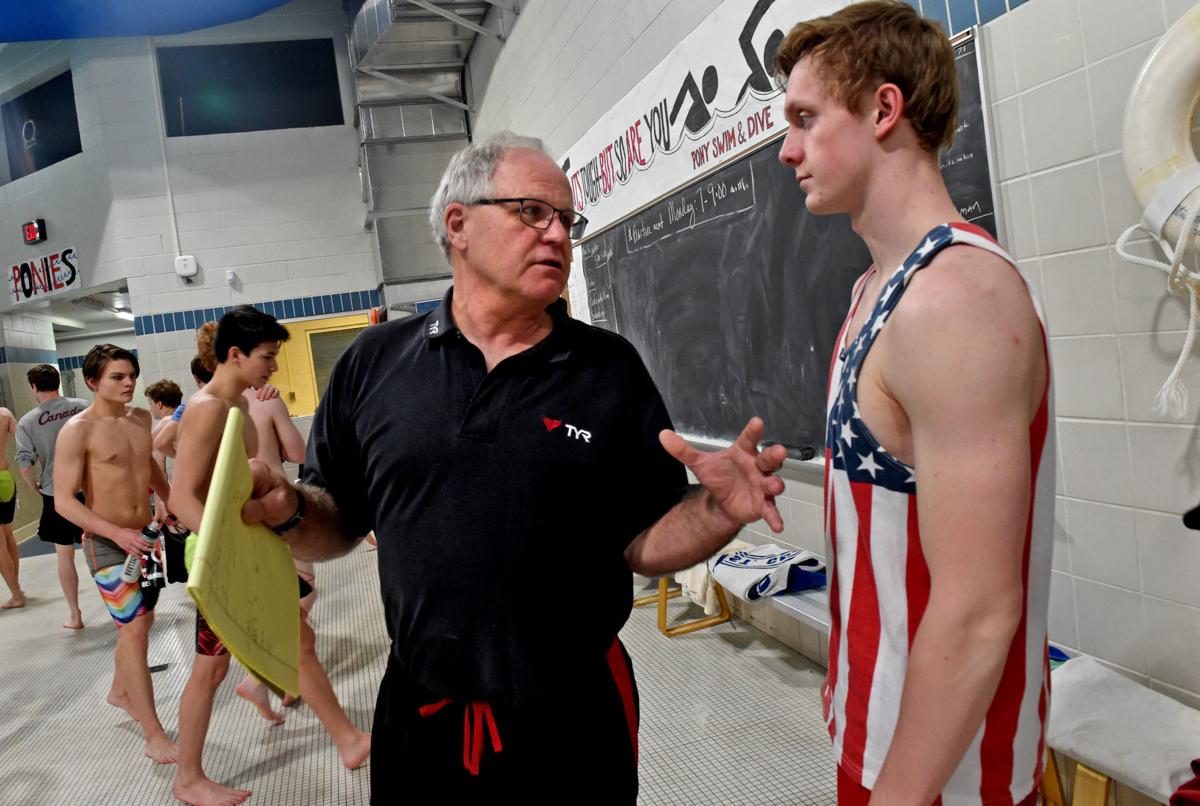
[44, 276]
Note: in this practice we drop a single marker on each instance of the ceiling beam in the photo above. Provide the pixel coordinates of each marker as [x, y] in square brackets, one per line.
[504, 5]
[417, 88]
[457, 19]
[62, 321]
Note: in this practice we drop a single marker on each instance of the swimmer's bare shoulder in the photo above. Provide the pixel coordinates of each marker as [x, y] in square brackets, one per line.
[139, 415]
[204, 413]
[205, 416]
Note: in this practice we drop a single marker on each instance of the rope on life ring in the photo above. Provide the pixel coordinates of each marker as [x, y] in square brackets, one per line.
[1165, 175]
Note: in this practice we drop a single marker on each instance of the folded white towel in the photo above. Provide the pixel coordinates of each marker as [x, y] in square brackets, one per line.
[697, 582]
[1121, 728]
[763, 570]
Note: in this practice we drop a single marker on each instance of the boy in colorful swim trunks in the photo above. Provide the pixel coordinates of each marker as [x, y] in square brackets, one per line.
[246, 343]
[10, 556]
[105, 452]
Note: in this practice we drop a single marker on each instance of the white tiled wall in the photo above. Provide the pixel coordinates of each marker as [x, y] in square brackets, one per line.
[26, 330]
[1125, 584]
[281, 209]
[1058, 73]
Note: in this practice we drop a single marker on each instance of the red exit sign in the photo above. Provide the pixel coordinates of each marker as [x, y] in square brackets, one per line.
[34, 231]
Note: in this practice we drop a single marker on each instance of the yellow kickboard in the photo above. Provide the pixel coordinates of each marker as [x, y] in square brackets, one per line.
[242, 576]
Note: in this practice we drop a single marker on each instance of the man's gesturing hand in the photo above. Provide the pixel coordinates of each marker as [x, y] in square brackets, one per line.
[739, 479]
[273, 499]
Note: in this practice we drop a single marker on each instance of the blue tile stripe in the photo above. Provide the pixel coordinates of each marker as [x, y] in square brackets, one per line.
[958, 15]
[75, 361]
[323, 305]
[27, 355]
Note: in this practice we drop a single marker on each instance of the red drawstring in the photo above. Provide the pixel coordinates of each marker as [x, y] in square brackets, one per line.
[482, 712]
[433, 707]
[472, 730]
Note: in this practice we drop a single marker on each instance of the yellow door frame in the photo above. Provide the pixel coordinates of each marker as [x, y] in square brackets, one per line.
[296, 377]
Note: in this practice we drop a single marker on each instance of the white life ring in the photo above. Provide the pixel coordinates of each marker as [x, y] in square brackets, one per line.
[1156, 141]
[1156, 138]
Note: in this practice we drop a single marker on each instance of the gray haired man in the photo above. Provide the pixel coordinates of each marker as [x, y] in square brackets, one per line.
[525, 445]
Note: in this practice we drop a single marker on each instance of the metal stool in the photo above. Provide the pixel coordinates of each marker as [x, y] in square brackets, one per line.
[665, 592]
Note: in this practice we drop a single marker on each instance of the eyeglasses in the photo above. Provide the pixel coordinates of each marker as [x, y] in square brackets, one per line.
[540, 215]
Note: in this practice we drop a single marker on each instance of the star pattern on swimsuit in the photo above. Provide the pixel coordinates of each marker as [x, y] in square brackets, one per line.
[868, 464]
[889, 289]
[878, 325]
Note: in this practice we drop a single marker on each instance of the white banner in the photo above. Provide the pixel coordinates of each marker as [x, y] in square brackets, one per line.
[711, 99]
[44, 276]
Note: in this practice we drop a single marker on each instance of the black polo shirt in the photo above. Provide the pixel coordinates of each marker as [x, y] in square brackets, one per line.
[502, 502]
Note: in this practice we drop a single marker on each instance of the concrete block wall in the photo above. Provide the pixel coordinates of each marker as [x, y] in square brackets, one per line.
[25, 341]
[74, 195]
[567, 62]
[280, 209]
[1058, 73]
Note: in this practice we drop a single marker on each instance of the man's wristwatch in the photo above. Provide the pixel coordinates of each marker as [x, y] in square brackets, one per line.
[294, 521]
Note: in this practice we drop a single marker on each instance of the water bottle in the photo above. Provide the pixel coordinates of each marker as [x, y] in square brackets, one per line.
[132, 570]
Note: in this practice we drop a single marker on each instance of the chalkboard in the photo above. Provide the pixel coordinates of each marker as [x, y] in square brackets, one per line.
[965, 163]
[733, 293]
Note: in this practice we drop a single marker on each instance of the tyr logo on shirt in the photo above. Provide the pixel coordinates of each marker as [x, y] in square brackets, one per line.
[572, 431]
[435, 327]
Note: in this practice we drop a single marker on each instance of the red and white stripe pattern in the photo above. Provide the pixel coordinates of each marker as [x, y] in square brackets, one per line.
[880, 582]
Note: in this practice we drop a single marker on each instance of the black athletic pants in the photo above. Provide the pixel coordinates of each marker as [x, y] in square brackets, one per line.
[582, 744]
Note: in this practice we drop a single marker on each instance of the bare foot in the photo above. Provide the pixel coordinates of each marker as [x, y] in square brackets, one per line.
[18, 600]
[162, 750]
[356, 753]
[208, 793]
[289, 700]
[121, 701]
[75, 622]
[257, 695]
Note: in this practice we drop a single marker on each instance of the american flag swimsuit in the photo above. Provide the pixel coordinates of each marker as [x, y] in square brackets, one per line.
[880, 582]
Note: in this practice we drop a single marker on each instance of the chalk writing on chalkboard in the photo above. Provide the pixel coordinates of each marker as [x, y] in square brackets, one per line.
[964, 163]
[598, 254]
[710, 201]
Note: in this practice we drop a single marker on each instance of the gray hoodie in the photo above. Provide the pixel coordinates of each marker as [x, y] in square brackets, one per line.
[37, 431]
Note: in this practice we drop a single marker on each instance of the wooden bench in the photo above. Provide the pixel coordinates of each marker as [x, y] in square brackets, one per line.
[1090, 788]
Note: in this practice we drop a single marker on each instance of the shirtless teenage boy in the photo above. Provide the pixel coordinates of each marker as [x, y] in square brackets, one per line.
[10, 555]
[246, 344]
[165, 436]
[105, 452]
[165, 397]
